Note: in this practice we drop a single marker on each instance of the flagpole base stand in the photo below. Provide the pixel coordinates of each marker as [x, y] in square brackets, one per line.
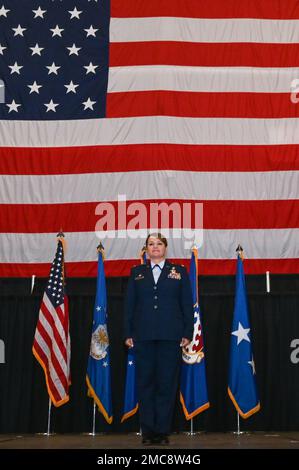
[47, 434]
[192, 433]
[239, 433]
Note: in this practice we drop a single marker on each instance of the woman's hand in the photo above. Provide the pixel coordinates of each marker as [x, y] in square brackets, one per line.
[129, 342]
[185, 342]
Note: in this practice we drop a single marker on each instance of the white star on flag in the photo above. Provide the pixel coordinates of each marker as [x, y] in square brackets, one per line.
[88, 104]
[15, 68]
[56, 31]
[34, 88]
[3, 12]
[75, 13]
[13, 106]
[39, 13]
[19, 30]
[90, 68]
[74, 49]
[51, 106]
[91, 31]
[71, 87]
[53, 68]
[36, 49]
[241, 333]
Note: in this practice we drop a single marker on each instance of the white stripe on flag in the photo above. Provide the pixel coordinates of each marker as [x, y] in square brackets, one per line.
[204, 30]
[201, 79]
[217, 244]
[157, 185]
[155, 129]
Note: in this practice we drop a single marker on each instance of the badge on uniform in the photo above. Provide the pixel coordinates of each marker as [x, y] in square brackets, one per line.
[174, 274]
[139, 277]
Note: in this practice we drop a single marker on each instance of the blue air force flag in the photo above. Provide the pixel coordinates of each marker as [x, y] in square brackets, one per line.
[98, 369]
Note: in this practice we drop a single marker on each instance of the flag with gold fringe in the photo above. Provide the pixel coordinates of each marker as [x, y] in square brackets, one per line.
[51, 345]
[98, 370]
[193, 386]
[130, 400]
[242, 387]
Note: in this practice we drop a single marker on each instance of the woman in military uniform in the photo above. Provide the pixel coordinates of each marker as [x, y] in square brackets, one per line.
[158, 323]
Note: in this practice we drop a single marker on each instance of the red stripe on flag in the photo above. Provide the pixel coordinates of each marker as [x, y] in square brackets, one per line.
[81, 217]
[44, 360]
[193, 104]
[204, 54]
[55, 339]
[272, 9]
[147, 157]
[120, 268]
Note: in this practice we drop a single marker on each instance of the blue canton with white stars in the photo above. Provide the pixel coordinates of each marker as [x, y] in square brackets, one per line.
[54, 58]
[55, 287]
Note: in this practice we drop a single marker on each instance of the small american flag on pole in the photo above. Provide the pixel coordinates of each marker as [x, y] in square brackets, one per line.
[51, 345]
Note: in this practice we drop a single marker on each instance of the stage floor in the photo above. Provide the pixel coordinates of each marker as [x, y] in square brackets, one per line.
[253, 440]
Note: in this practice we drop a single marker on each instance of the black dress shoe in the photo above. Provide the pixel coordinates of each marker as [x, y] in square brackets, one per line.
[164, 440]
[161, 439]
[147, 440]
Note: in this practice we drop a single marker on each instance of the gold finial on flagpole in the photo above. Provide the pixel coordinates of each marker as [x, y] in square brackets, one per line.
[61, 237]
[240, 252]
[100, 249]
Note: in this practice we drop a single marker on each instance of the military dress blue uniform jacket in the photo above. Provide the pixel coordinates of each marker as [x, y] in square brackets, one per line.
[161, 311]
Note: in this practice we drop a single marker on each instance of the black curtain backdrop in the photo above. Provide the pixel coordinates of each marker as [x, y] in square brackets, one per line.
[274, 323]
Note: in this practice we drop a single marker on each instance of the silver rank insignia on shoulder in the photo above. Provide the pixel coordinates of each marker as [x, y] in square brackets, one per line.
[139, 277]
[174, 274]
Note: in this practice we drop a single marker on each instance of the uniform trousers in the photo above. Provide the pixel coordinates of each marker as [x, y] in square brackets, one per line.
[157, 373]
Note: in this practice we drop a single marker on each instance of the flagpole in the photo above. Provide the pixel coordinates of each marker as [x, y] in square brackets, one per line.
[268, 282]
[238, 432]
[93, 433]
[49, 417]
[192, 433]
[32, 282]
[94, 419]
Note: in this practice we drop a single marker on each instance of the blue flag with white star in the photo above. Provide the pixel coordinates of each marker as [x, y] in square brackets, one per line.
[242, 387]
[130, 402]
[98, 369]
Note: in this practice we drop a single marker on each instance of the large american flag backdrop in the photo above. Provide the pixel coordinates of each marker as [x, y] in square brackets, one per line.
[160, 100]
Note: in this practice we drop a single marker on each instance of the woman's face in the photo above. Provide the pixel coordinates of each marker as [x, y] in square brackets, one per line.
[156, 249]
